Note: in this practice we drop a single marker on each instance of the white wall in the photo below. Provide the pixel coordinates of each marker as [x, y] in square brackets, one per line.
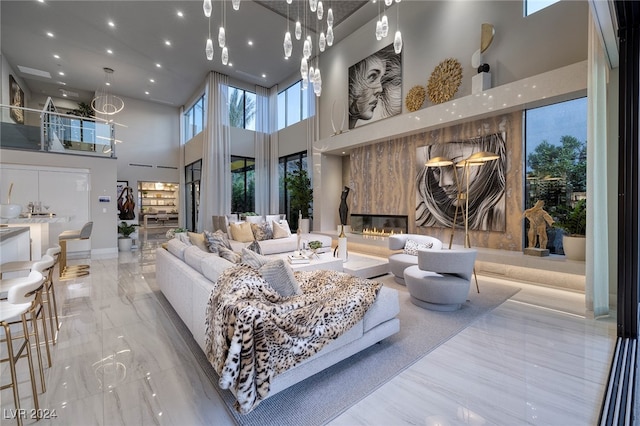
[150, 142]
[435, 30]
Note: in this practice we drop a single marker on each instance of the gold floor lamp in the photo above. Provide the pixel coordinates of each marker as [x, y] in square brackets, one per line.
[474, 160]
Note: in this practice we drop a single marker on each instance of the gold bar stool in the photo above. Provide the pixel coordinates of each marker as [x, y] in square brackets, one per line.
[50, 291]
[20, 301]
[75, 271]
[37, 311]
[45, 267]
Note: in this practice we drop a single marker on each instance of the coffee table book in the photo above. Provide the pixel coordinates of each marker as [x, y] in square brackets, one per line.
[298, 259]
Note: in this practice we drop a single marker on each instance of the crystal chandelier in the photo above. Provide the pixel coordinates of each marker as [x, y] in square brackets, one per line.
[104, 101]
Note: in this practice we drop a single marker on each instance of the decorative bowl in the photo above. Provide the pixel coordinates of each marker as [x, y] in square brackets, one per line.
[10, 211]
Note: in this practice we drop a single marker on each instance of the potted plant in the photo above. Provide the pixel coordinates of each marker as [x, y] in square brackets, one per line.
[301, 196]
[575, 226]
[171, 233]
[124, 240]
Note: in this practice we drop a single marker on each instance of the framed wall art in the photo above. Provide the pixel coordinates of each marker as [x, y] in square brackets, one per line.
[375, 87]
[439, 188]
[17, 100]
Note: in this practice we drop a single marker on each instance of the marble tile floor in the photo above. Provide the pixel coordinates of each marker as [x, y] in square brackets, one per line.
[120, 361]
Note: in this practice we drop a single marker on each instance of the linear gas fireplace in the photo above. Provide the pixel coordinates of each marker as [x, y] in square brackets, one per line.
[372, 224]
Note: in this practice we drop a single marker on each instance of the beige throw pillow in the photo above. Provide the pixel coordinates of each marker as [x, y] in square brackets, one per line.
[241, 232]
[198, 241]
[280, 230]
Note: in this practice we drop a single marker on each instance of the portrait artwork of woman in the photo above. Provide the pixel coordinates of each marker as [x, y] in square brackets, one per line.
[438, 187]
[375, 87]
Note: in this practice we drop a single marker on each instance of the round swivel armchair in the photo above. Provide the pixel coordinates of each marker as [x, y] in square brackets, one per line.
[441, 279]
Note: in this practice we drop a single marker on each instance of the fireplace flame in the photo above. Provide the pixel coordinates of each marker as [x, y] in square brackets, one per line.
[378, 232]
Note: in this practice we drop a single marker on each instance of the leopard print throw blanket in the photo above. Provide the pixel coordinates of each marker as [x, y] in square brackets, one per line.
[253, 334]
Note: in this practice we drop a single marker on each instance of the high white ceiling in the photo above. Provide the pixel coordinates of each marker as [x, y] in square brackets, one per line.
[81, 37]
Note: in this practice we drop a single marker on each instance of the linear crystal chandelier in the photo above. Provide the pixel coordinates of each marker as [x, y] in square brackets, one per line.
[382, 26]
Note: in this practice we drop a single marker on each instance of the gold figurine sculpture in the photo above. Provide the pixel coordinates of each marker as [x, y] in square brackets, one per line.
[538, 221]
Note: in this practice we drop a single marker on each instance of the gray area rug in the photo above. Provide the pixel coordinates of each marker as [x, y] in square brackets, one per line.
[322, 397]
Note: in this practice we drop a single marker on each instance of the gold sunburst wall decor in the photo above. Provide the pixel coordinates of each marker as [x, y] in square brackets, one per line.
[444, 81]
[415, 98]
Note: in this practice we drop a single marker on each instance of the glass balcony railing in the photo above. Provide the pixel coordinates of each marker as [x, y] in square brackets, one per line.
[48, 130]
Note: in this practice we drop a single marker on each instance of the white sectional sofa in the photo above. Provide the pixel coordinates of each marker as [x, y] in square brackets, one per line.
[272, 245]
[186, 276]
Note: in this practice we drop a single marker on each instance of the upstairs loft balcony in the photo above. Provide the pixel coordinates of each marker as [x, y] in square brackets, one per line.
[47, 130]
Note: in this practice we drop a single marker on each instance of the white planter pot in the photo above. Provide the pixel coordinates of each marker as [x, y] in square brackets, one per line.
[124, 244]
[304, 225]
[575, 248]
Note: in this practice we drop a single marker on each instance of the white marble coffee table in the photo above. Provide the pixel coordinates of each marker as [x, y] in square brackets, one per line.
[324, 261]
[364, 266]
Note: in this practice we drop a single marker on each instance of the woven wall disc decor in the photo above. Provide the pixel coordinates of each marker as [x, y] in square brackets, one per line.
[444, 81]
[415, 98]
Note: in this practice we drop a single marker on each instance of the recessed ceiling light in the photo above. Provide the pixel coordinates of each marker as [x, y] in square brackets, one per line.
[167, 42]
[158, 66]
[230, 64]
[111, 24]
[41, 1]
[152, 80]
[49, 34]
[107, 83]
[264, 76]
[64, 94]
[62, 83]
[146, 92]
[250, 43]
[179, 13]
[60, 72]
[110, 52]
[56, 56]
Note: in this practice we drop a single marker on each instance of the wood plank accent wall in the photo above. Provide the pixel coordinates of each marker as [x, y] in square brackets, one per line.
[383, 178]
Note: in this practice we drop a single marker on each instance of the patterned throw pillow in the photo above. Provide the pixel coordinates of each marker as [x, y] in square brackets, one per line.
[241, 232]
[261, 231]
[229, 255]
[254, 246]
[281, 230]
[254, 259]
[215, 240]
[412, 247]
[280, 276]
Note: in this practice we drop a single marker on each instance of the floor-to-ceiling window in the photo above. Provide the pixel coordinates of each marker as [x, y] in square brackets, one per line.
[192, 173]
[242, 108]
[194, 119]
[242, 184]
[288, 164]
[556, 163]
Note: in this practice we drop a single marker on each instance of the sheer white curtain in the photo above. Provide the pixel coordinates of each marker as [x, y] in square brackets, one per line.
[261, 150]
[313, 134]
[215, 182]
[181, 179]
[597, 256]
[274, 158]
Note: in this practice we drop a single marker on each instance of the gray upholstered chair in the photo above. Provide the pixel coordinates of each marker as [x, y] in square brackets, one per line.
[399, 261]
[441, 279]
